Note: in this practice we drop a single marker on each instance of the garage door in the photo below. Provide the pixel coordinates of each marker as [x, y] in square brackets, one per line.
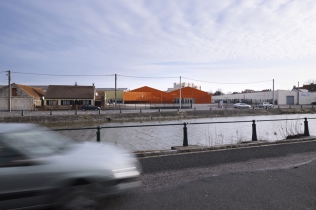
[290, 100]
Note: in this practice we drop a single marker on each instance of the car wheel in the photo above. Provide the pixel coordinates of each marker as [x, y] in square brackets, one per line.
[77, 198]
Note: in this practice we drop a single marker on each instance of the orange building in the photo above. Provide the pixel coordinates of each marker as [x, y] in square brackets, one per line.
[150, 95]
[197, 96]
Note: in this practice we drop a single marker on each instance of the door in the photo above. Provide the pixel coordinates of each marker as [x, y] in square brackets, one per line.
[290, 100]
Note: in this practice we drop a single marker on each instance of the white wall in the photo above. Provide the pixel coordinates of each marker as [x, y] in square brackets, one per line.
[279, 95]
[307, 98]
[263, 96]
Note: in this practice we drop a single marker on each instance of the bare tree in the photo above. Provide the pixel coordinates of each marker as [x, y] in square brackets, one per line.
[310, 81]
[218, 92]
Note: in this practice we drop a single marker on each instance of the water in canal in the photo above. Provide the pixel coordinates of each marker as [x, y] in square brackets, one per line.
[164, 137]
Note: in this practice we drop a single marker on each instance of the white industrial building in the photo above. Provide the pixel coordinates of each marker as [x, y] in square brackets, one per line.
[281, 97]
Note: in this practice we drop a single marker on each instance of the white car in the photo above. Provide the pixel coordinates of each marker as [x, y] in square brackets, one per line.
[40, 168]
[265, 104]
[242, 105]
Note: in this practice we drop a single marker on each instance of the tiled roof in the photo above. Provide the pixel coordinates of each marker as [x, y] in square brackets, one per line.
[69, 92]
[34, 92]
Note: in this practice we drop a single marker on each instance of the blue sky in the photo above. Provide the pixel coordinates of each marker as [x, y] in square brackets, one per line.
[231, 44]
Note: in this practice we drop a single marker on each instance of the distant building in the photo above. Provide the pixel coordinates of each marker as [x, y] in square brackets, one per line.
[23, 97]
[281, 97]
[177, 86]
[150, 95]
[311, 87]
[65, 96]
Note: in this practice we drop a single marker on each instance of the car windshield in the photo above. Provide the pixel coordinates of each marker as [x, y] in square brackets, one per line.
[37, 143]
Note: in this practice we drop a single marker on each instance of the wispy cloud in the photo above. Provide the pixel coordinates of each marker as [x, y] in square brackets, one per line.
[145, 37]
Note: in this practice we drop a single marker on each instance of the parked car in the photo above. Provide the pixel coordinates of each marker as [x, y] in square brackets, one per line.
[41, 168]
[265, 104]
[89, 107]
[241, 105]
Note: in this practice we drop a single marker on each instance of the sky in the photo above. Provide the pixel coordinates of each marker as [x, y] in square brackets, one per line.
[231, 45]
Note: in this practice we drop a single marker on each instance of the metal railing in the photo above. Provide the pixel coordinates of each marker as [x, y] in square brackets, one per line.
[185, 131]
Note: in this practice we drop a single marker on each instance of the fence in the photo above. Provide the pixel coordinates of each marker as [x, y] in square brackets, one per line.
[185, 132]
[147, 106]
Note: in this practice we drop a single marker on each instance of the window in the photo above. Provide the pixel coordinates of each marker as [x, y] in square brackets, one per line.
[53, 102]
[14, 92]
[86, 101]
[10, 158]
[66, 102]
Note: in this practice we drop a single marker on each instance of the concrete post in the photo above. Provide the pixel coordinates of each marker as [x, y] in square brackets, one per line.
[185, 135]
[98, 133]
[254, 131]
[306, 131]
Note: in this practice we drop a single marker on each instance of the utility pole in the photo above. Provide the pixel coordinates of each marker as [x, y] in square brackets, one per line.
[180, 92]
[298, 93]
[9, 86]
[115, 91]
[273, 93]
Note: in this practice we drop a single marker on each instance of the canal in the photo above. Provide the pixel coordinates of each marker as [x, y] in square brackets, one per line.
[164, 137]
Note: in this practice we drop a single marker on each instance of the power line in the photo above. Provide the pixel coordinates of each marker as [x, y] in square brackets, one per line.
[92, 75]
[283, 84]
[65, 75]
[147, 77]
[228, 83]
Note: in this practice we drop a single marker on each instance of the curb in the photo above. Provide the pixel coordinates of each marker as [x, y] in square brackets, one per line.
[195, 148]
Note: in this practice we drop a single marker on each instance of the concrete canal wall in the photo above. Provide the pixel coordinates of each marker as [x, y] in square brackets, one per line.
[165, 115]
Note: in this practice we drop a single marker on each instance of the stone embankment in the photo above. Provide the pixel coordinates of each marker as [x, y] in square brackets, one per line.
[166, 115]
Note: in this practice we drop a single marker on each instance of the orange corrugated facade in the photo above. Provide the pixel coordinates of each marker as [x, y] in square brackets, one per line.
[150, 95]
[200, 97]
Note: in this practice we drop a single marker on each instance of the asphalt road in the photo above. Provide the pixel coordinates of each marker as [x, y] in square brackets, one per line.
[287, 181]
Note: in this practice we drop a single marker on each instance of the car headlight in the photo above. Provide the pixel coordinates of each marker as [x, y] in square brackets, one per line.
[125, 172]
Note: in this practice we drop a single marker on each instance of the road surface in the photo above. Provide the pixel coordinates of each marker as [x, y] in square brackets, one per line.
[287, 182]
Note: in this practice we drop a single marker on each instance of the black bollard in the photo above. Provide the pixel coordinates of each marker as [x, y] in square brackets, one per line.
[120, 110]
[140, 111]
[22, 114]
[98, 133]
[99, 111]
[76, 112]
[306, 131]
[185, 135]
[51, 112]
[254, 131]
[159, 110]
[301, 106]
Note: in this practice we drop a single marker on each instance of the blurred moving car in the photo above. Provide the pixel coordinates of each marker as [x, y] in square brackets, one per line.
[89, 107]
[40, 168]
[265, 104]
[241, 105]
